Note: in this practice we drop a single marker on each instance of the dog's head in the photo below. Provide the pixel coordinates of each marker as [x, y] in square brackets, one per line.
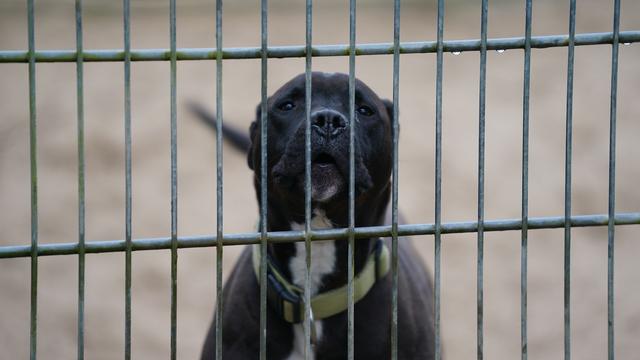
[330, 125]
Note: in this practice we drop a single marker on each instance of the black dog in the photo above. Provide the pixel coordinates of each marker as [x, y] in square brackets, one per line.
[330, 174]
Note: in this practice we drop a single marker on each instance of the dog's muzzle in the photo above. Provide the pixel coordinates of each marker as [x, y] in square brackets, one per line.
[329, 159]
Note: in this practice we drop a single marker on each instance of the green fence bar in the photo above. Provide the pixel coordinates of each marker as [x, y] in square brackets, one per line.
[297, 51]
[81, 180]
[352, 221]
[163, 243]
[219, 182]
[33, 158]
[525, 181]
[308, 349]
[567, 181]
[264, 13]
[395, 181]
[174, 181]
[438, 177]
[612, 180]
[127, 156]
[481, 161]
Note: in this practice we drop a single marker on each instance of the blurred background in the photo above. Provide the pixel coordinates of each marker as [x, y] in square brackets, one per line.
[104, 109]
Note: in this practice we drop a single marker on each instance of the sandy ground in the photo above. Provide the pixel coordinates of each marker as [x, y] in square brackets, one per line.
[103, 90]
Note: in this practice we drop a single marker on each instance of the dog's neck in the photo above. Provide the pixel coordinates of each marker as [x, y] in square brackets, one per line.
[329, 258]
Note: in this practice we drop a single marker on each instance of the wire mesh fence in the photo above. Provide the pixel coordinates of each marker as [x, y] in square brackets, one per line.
[308, 51]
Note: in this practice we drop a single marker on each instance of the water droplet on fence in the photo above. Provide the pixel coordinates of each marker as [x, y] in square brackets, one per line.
[455, 53]
[500, 51]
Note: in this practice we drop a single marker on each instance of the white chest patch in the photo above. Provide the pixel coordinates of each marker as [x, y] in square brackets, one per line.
[298, 341]
[323, 255]
[323, 261]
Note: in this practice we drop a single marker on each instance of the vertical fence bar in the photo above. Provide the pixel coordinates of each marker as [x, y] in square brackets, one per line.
[481, 157]
[263, 182]
[352, 119]
[127, 156]
[174, 181]
[219, 180]
[81, 181]
[525, 180]
[394, 200]
[33, 154]
[612, 179]
[438, 180]
[567, 182]
[308, 350]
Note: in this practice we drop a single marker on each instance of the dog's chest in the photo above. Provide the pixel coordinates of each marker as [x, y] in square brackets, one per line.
[323, 255]
[323, 262]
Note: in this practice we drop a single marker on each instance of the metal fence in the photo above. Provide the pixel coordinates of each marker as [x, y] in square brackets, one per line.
[263, 236]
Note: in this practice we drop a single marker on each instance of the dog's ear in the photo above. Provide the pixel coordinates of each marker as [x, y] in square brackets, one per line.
[253, 132]
[388, 104]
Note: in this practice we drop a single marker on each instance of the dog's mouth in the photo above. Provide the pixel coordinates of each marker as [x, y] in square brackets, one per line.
[326, 179]
[324, 160]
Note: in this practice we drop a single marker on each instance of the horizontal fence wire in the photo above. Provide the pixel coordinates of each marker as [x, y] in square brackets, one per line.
[299, 51]
[163, 243]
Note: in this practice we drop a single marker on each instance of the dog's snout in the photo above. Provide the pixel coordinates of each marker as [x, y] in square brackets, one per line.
[328, 122]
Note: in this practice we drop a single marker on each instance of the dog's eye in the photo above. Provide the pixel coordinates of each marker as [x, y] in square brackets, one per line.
[287, 106]
[365, 110]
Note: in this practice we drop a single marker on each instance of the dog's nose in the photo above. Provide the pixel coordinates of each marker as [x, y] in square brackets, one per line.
[328, 122]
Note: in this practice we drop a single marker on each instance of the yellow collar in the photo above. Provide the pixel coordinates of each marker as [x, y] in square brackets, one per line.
[287, 299]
